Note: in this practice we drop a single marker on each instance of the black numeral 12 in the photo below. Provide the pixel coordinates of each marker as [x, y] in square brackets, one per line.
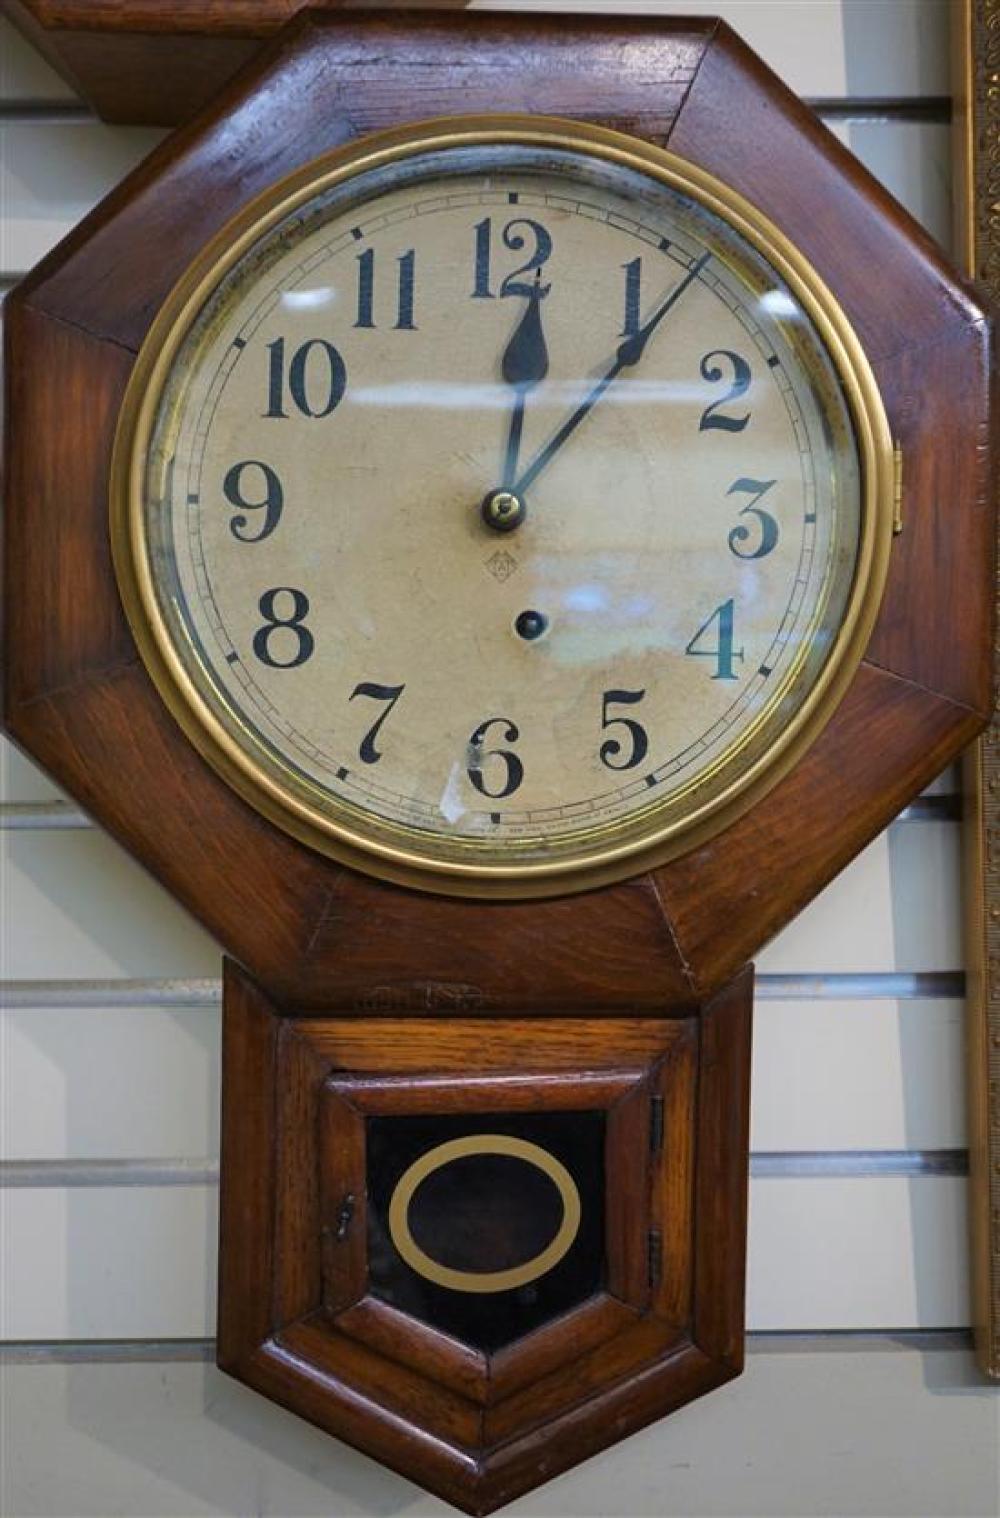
[515, 239]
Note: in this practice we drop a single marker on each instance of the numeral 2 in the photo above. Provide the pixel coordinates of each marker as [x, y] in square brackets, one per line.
[723, 652]
[739, 385]
[404, 290]
[515, 240]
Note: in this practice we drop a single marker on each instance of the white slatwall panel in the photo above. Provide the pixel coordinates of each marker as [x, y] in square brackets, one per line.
[77, 907]
[52, 173]
[24, 76]
[894, 1435]
[819, 1433]
[126, 1262]
[827, 1075]
[821, 47]
[894, 908]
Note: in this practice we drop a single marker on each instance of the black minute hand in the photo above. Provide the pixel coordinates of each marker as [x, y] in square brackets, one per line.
[629, 353]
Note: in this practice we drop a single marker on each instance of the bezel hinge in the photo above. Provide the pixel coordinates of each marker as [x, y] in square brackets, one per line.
[655, 1124]
[897, 489]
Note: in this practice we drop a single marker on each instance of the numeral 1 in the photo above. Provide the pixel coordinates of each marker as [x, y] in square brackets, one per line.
[723, 652]
[404, 295]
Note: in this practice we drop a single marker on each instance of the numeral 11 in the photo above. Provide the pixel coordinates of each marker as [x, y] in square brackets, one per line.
[404, 296]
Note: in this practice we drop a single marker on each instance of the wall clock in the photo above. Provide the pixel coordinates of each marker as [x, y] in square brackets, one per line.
[494, 567]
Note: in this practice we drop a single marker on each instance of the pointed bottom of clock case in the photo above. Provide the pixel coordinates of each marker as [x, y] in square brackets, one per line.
[482, 1251]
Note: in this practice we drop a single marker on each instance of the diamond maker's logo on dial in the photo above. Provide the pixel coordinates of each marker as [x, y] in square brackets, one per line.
[502, 565]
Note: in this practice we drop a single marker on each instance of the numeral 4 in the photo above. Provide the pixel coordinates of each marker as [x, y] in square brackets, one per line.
[722, 651]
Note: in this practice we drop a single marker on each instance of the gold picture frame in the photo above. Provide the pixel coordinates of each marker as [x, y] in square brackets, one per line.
[976, 73]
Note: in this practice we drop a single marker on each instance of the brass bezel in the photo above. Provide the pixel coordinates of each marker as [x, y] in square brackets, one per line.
[400, 862]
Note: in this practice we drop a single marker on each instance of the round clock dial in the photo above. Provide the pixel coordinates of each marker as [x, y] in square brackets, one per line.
[502, 505]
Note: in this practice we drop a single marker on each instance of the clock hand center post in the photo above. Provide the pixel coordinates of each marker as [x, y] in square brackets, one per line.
[524, 364]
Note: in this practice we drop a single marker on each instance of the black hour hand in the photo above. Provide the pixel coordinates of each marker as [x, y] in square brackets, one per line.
[526, 357]
[525, 363]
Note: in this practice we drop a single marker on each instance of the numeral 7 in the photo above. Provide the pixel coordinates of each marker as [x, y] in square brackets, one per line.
[367, 752]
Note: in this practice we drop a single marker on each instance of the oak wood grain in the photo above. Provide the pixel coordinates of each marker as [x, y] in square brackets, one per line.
[246, 1202]
[672, 1203]
[949, 485]
[722, 1136]
[341, 1178]
[628, 1160]
[298, 1093]
[360, 997]
[591, 1371]
[412, 1398]
[158, 62]
[331, 940]
[397, 1336]
[327, 81]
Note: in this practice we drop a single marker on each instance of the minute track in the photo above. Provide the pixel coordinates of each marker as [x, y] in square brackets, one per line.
[420, 760]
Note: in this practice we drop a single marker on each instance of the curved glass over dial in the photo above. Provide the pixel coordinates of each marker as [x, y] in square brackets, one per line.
[502, 504]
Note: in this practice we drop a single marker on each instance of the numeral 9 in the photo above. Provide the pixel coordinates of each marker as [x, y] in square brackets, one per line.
[272, 505]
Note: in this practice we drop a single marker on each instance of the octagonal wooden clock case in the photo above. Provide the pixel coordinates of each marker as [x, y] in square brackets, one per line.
[494, 568]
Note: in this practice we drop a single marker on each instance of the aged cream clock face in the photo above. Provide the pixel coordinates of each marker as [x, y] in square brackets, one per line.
[500, 510]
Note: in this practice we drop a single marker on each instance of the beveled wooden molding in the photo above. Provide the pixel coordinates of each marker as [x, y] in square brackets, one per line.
[159, 62]
[302, 1320]
[976, 63]
[79, 700]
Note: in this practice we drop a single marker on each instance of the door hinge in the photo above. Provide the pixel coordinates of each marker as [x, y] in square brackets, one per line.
[654, 1256]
